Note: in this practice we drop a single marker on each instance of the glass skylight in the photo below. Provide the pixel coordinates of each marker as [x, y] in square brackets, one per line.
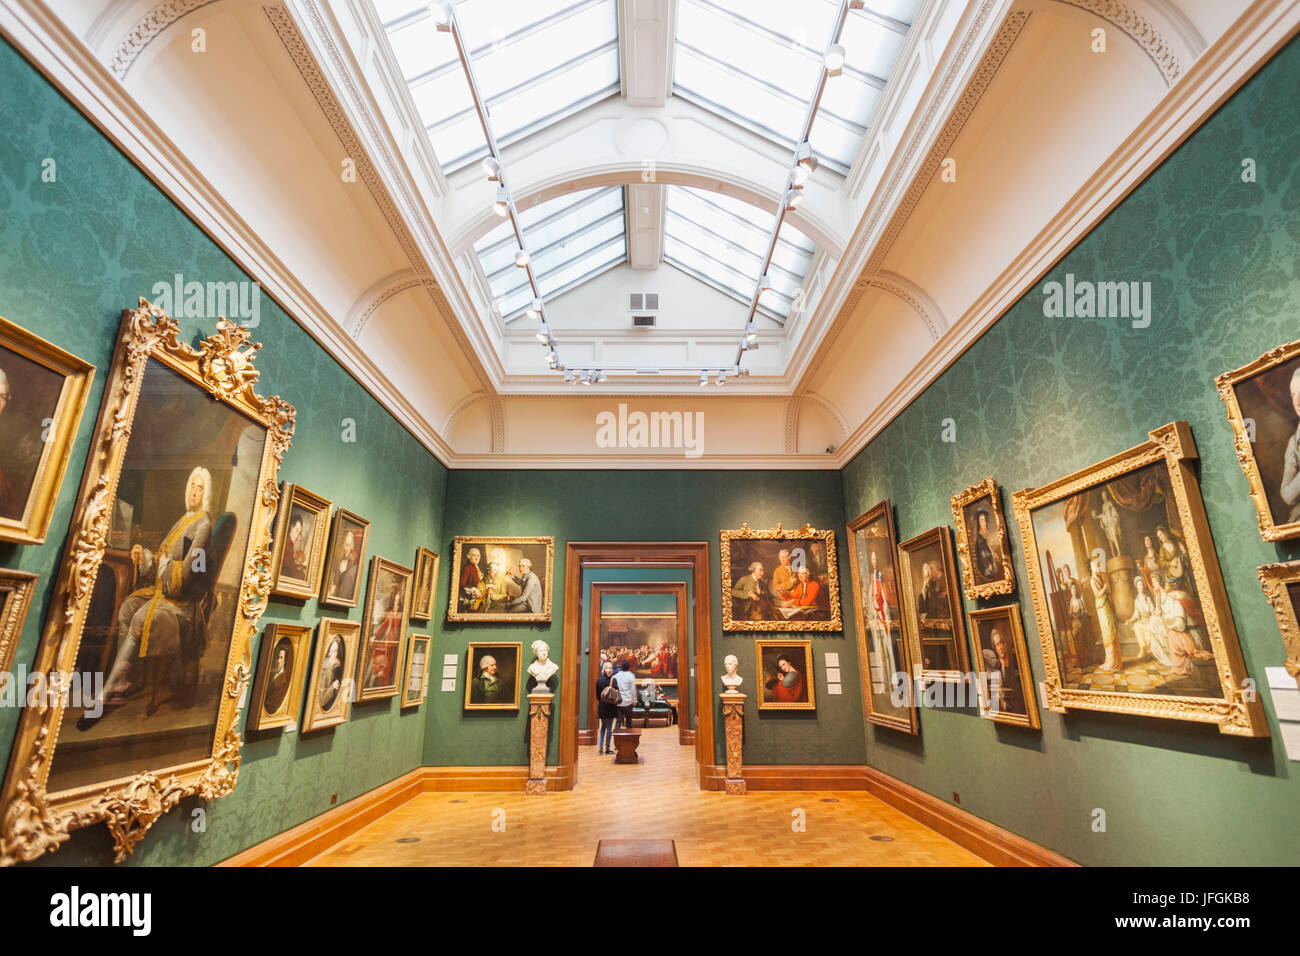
[536, 62]
[756, 63]
[722, 241]
[571, 238]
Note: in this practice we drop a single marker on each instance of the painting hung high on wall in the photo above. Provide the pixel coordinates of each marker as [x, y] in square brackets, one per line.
[881, 639]
[502, 579]
[933, 606]
[647, 641]
[1281, 583]
[785, 675]
[1131, 609]
[493, 681]
[383, 635]
[43, 393]
[1263, 400]
[1005, 686]
[982, 542]
[780, 580]
[330, 687]
[344, 559]
[166, 573]
[426, 574]
[299, 542]
[282, 663]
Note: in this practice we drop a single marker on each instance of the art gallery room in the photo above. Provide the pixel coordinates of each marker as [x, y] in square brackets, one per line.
[697, 433]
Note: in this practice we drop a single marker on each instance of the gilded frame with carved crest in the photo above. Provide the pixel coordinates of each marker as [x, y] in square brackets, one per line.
[1185, 663]
[771, 601]
[199, 591]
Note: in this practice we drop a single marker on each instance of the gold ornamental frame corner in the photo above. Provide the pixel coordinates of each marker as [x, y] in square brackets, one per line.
[1007, 584]
[1274, 579]
[1243, 443]
[1238, 712]
[745, 532]
[33, 821]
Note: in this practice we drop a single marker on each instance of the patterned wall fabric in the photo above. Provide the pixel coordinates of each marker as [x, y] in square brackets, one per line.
[1037, 398]
[76, 252]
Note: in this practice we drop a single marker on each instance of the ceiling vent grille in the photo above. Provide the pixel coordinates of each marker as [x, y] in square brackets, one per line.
[644, 307]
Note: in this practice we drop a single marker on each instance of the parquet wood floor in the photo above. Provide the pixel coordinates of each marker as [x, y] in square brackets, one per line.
[657, 798]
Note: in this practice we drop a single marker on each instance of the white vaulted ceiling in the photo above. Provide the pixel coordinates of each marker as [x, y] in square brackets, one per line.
[646, 144]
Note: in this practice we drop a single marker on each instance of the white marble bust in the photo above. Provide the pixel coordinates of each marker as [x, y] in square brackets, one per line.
[731, 679]
[542, 669]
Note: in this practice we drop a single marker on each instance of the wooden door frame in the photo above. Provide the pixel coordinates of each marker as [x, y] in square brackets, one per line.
[580, 555]
[685, 735]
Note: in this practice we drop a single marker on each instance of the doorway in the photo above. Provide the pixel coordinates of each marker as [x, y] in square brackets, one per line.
[646, 624]
[585, 556]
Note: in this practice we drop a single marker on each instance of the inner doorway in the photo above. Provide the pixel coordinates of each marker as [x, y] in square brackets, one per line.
[646, 624]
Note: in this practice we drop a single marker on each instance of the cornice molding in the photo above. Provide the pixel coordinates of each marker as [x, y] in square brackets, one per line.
[496, 418]
[146, 30]
[381, 292]
[914, 296]
[630, 461]
[1227, 64]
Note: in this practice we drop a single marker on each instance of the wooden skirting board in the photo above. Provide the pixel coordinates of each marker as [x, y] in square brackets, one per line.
[307, 840]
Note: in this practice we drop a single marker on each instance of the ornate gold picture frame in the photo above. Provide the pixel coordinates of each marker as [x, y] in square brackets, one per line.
[1263, 401]
[493, 675]
[785, 675]
[426, 579]
[415, 675]
[764, 584]
[300, 531]
[1006, 683]
[16, 590]
[487, 583]
[345, 560]
[982, 544]
[1148, 630]
[383, 630]
[884, 644]
[932, 605]
[219, 380]
[1281, 584]
[43, 392]
[330, 685]
[281, 665]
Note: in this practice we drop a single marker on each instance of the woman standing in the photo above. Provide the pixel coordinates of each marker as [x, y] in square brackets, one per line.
[606, 711]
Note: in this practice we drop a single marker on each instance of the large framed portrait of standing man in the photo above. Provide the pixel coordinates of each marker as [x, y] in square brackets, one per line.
[780, 580]
[383, 634]
[43, 393]
[1263, 400]
[933, 607]
[1130, 605]
[882, 643]
[166, 572]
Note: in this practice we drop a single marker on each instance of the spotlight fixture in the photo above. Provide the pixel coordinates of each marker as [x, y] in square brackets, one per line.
[764, 283]
[799, 175]
[742, 373]
[492, 168]
[535, 310]
[722, 378]
[586, 379]
[600, 376]
[834, 60]
[440, 10]
[502, 206]
[522, 259]
[793, 198]
[544, 333]
[569, 376]
[704, 379]
[751, 335]
[551, 359]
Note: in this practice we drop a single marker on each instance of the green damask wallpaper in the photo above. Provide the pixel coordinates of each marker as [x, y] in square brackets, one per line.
[77, 251]
[1037, 398]
[646, 506]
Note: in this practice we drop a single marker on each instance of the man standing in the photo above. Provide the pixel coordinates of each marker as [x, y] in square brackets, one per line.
[750, 595]
[782, 577]
[625, 681]
[529, 599]
[10, 506]
[471, 595]
[878, 620]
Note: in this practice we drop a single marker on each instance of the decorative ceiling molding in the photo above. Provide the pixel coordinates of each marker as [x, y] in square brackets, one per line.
[1226, 64]
[370, 302]
[830, 407]
[792, 424]
[496, 418]
[147, 29]
[910, 179]
[912, 294]
[296, 46]
[1139, 29]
